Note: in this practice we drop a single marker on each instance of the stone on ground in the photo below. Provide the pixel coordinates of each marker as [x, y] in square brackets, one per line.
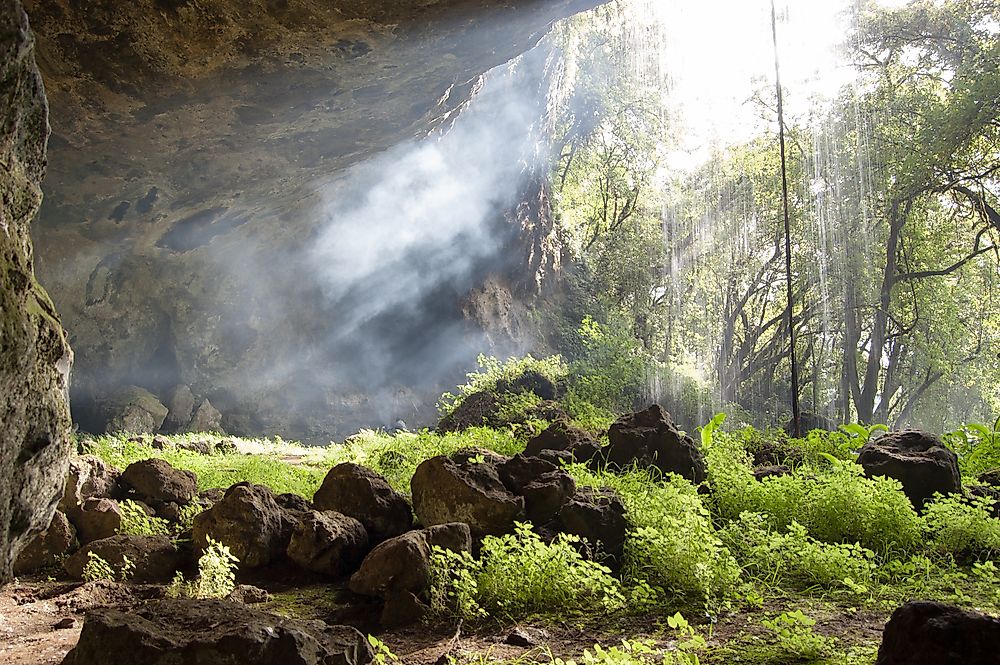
[918, 460]
[359, 492]
[156, 558]
[46, 549]
[132, 409]
[198, 632]
[931, 633]
[249, 521]
[466, 487]
[651, 439]
[155, 481]
[597, 516]
[560, 436]
[97, 519]
[328, 543]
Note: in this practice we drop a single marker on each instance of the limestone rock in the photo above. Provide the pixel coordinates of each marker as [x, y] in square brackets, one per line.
[328, 543]
[651, 439]
[195, 632]
[47, 547]
[35, 359]
[206, 418]
[155, 481]
[132, 409]
[918, 460]
[465, 487]
[180, 408]
[359, 492]
[930, 633]
[88, 476]
[249, 520]
[156, 558]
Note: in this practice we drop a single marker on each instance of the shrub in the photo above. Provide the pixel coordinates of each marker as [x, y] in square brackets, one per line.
[216, 575]
[672, 549]
[518, 575]
[962, 527]
[135, 521]
[794, 558]
[493, 372]
[97, 568]
[836, 504]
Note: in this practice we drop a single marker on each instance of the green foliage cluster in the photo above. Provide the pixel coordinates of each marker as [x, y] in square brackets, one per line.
[136, 522]
[795, 640]
[835, 503]
[977, 447]
[963, 528]
[494, 372]
[672, 548]
[217, 568]
[518, 575]
[97, 569]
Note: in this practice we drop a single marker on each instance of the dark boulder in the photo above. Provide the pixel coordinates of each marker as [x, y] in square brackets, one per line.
[530, 381]
[155, 481]
[249, 520]
[597, 516]
[46, 549]
[991, 478]
[545, 487]
[560, 436]
[651, 439]
[476, 410]
[328, 543]
[930, 633]
[918, 460]
[403, 563]
[97, 519]
[361, 493]
[156, 558]
[402, 609]
[197, 632]
[466, 487]
[206, 418]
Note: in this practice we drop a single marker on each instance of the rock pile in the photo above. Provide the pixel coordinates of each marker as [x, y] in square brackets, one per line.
[136, 410]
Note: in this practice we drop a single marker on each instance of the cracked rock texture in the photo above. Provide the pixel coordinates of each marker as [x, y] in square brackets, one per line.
[34, 358]
[189, 138]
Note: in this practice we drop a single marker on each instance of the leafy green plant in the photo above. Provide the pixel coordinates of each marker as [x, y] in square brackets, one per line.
[795, 639]
[97, 568]
[136, 522]
[519, 574]
[977, 447]
[672, 548]
[962, 527]
[216, 575]
[493, 373]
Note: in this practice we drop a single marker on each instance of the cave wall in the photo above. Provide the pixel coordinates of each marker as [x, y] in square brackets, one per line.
[192, 146]
[35, 359]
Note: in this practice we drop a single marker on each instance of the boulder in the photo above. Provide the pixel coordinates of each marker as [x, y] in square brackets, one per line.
[918, 460]
[991, 478]
[249, 520]
[361, 493]
[248, 595]
[156, 558]
[46, 549]
[97, 519]
[402, 609]
[930, 633]
[465, 487]
[328, 543]
[35, 358]
[597, 516]
[562, 437]
[476, 410]
[403, 563]
[206, 418]
[132, 409]
[808, 421]
[545, 487]
[180, 408]
[155, 481]
[88, 476]
[196, 632]
[530, 382]
[651, 439]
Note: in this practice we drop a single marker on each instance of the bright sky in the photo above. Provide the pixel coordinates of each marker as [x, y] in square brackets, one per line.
[716, 53]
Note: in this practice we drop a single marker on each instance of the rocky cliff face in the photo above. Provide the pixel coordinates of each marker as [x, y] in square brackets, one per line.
[195, 148]
[34, 357]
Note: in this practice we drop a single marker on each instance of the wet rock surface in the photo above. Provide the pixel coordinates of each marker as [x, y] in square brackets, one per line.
[194, 632]
[35, 359]
[918, 460]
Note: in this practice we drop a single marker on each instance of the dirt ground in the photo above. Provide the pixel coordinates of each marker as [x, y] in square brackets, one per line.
[40, 621]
